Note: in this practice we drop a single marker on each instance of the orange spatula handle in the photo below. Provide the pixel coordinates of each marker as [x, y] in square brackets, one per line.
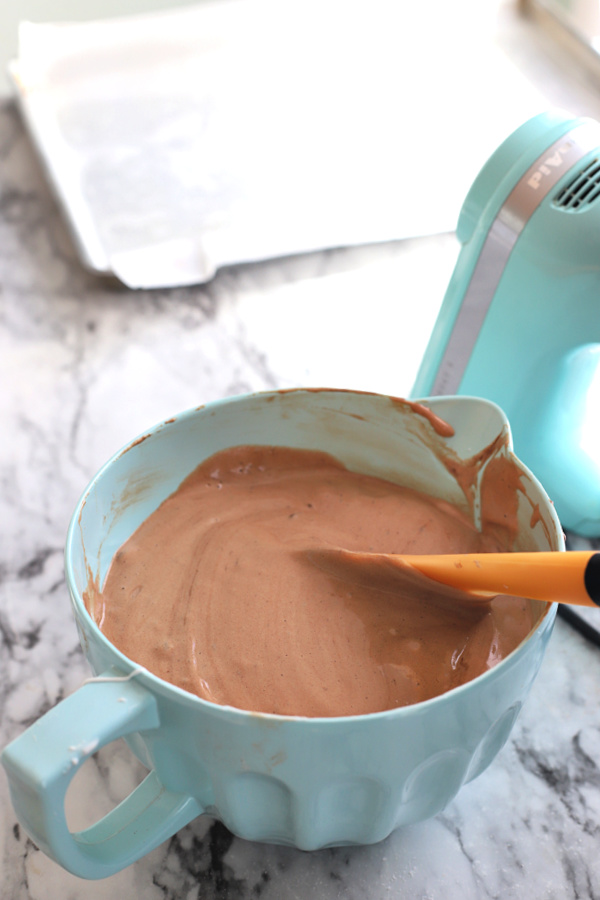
[572, 577]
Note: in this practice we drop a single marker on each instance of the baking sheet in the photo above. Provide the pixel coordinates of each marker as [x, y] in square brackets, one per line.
[232, 131]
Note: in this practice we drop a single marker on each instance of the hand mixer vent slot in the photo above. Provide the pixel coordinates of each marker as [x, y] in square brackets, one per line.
[582, 190]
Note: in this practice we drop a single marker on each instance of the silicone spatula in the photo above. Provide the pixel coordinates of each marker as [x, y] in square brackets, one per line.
[571, 577]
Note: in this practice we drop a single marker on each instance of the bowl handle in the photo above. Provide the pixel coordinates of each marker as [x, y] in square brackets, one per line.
[41, 763]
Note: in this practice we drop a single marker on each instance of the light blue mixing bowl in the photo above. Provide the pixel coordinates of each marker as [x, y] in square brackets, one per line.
[309, 783]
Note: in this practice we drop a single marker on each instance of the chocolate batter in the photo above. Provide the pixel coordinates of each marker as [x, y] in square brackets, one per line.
[216, 592]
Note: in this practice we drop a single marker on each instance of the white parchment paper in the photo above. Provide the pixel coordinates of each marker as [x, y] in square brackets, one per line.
[239, 130]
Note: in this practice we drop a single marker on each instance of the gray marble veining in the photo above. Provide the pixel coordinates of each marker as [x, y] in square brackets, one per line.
[85, 365]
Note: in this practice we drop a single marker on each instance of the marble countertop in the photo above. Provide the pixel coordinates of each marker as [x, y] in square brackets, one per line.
[85, 365]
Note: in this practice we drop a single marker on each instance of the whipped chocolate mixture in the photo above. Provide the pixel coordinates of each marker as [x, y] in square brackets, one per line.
[216, 592]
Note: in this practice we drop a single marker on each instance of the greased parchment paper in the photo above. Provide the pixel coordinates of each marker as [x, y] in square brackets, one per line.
[232, 131]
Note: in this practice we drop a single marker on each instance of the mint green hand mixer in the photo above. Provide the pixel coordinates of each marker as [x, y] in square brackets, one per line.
[520, 322]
